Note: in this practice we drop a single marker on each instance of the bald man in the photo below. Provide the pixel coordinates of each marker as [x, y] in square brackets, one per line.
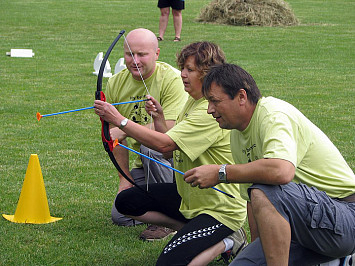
[144, 75]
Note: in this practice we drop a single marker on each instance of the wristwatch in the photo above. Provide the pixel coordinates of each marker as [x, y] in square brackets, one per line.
[222, 175]
[123, 123]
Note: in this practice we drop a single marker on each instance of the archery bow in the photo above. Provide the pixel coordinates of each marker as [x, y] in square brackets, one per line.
[105, 126]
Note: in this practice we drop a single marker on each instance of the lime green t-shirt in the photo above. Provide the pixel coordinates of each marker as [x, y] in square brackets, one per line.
[278, 130]
[165, 85]
[201, 141]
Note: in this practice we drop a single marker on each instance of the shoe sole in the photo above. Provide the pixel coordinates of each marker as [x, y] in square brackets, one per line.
[158, 239]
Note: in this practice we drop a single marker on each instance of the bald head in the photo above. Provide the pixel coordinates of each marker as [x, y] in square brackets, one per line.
[141, 52]
[143, 36]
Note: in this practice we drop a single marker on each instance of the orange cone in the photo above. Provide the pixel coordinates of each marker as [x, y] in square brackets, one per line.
[32, 206]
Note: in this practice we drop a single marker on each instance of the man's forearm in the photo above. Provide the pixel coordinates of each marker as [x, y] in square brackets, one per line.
[264, 171]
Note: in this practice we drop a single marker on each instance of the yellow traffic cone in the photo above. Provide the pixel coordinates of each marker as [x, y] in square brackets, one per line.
[32, 206]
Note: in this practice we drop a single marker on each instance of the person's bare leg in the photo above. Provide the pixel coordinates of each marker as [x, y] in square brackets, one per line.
[252, 225]
[274, 230]
[122, 156]
[177, 18]
[208, 255]
[163, 20]
[160, 219]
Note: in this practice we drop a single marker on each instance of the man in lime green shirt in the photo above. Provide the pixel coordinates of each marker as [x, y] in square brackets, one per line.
[301, 208]
[143, 76]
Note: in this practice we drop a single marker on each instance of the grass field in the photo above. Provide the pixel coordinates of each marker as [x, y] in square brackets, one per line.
[310, 65]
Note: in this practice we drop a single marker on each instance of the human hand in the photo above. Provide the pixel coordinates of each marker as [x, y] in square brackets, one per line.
[153, 107]
[118, 134]
[107, 112]
[204, 176]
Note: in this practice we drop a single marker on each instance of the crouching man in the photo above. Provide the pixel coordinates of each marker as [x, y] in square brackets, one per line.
[300, 190]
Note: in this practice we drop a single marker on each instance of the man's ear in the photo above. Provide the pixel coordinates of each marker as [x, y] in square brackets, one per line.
[157, 54]
[243, 96]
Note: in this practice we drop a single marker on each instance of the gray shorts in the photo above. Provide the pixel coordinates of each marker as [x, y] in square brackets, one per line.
[322, 228]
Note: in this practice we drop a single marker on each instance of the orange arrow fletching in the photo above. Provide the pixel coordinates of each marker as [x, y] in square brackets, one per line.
[39, 116]
[115, 143]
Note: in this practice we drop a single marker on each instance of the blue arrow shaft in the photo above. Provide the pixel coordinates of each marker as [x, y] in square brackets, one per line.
[168, 166]
[91, 107]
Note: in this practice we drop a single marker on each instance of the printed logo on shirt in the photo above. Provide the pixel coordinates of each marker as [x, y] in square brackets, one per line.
[138, 113]
[177, 158]
[248, 153]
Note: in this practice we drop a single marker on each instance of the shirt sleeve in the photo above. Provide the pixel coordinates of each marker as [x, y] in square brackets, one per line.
[173, 97]
[196, 133]
[279, 135]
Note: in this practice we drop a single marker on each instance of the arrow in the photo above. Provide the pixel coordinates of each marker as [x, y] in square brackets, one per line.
[39, 116]
[163, 164]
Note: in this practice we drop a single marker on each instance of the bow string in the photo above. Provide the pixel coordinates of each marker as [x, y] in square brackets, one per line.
[148, 93]
[105, 126]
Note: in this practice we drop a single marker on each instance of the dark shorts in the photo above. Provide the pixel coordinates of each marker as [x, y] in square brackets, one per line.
[322, 228]
[162, 198]
[174, 4]
[151, 172]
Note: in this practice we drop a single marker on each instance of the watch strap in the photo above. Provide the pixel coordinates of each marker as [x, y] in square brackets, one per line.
[123, 123]
[222, 174]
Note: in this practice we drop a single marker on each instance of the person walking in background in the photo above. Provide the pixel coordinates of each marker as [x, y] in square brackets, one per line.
[177, 6]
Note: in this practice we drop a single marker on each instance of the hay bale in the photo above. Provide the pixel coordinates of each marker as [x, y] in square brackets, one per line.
[249, 13]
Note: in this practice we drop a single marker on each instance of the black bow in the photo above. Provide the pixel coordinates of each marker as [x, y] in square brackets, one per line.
[105, 126]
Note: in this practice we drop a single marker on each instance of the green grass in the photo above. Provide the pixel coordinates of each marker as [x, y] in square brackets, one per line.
[311, 66]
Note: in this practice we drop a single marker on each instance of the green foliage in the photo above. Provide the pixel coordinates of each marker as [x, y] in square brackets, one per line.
[310, 65]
